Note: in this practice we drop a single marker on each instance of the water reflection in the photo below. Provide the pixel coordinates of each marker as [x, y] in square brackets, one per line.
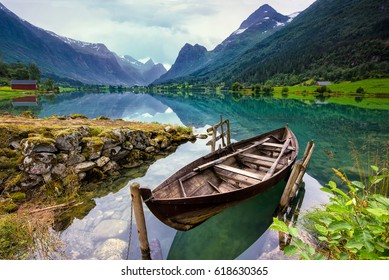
[240, 232]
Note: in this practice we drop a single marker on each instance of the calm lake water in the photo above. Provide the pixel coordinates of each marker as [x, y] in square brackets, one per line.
[341, 134]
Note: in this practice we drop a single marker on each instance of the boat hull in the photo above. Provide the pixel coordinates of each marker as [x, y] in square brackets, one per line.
[184, 213]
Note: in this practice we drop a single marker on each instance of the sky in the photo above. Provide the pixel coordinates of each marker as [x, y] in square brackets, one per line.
[146, 28]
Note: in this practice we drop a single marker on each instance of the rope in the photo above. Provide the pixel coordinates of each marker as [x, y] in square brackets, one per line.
[130, 234]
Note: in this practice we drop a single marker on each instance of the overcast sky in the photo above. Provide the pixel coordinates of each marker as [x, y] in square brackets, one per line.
[145, 28]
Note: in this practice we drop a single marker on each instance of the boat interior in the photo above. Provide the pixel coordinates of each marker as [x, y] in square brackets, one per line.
[249, 165]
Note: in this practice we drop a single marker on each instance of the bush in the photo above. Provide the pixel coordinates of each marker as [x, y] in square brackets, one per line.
[353, 225]
[360, 90]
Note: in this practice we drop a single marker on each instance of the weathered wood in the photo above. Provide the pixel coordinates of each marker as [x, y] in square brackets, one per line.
[56, 207]
[220, 160]
[217, 138]
[275, 145]
[239, 171]
[222, 131]
[214, 186]
[182, 188]
[237, 177]
[273, 167]
[269, 159]
[140, 221]
[228, 132]
[296, 177]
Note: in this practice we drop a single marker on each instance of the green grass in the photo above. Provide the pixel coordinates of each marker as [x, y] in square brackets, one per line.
[8, 93]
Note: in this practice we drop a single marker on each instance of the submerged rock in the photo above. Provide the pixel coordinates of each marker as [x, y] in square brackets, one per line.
[111, 249]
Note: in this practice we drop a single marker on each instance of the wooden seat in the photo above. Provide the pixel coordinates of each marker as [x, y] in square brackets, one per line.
[240, 171]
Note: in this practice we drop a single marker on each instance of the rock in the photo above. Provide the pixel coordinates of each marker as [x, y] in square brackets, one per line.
[111, 151]
[74, 157]
[168, 129]
[37, 144]
[38, 164]
[138, 139]
[84, 166]
[112, 138]
[202, 136]
[15, 145]
[59, 171]
[111, 166]
[150, 149]
[92, 147]
[127, 145]
[165, 143]
[121, 155]
[111, 249]
[109, 229]
[68, 140]
[31, 181]
[102, 161]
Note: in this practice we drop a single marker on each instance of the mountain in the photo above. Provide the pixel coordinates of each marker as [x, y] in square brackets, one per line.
[64, 57]
[331, 40]
[264, 22]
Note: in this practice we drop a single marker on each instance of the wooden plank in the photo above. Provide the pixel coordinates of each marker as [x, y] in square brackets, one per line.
[237, 178]
[273, 167]
[262, 163]
[220, 160]
[269, 159]
[221, 136]
[182, 188]
[239, 171]
[213, 186]
[275, 145]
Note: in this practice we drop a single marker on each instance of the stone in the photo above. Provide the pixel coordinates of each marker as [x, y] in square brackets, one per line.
[31, 181]
[138, 139]
[92, 147]
[165, 143]
[127, 146]
[37, 144]
[15, 145]
[102, 161]
[121, 155]
[74, 157]
[59, 171]
[150, 149]
[111, 151]
[202, 136]
[84, 166]
[68, 140]
[38, 164]
[112, 138]
[111, 249]
[110, 166]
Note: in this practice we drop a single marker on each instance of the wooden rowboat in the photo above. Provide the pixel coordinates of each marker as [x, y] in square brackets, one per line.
[222, 179]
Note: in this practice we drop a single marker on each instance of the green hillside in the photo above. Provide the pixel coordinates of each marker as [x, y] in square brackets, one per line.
[332, 40]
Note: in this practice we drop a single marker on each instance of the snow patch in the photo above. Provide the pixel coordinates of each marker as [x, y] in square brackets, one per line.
[292, 16]
[266, 18]
[280, 24]
[239, 31]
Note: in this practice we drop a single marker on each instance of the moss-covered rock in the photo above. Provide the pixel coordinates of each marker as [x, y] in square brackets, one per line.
[38, 163]
[112, 138]
[92, 147]
[38, 144]
[68, 139]
[77, 116]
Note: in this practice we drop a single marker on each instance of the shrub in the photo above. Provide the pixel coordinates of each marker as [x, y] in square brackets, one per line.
[353, 225]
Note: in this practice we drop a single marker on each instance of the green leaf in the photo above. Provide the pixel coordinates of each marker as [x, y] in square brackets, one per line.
[338, 226]
[319, 257]
[310, 250]
[327, 190]
[323, 238]
[343, 256]
[338, 191]
[353, 244]
[375, 168]
[291, 250]
[304, 255]
[351, 201]
[322, 230]
[332, 184]
[377, 180]
[293, 231]
[279, 225]
[358, 184]
[378, 212]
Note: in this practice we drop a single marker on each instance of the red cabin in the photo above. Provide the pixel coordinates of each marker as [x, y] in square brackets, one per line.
[24, 84]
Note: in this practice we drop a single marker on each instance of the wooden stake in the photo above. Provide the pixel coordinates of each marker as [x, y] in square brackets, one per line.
[296, 177]
[140, 221]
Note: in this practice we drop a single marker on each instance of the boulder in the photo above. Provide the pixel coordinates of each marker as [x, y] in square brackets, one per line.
[37, 144]
[68, 140]
[139, 139]
[84, 166]
[92, 147]
[102, 161]
[111, 151]
[111, 167]
[112, 138]
[38, 163]
[74, 157]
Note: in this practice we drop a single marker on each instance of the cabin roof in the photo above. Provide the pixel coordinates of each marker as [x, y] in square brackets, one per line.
[23, 82]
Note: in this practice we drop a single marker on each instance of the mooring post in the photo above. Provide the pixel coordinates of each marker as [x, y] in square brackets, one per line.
[296, 177]
[140, 221]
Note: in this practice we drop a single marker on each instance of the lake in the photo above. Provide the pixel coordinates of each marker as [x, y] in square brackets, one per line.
[346, 137]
